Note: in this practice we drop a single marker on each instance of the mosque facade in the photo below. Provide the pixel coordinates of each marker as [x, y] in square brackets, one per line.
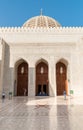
[41, 58]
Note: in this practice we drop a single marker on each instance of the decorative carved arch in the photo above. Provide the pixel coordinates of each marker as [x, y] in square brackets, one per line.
[63, 60]
[61, 78]
[21, 78]
[41, 60]
[42, 85]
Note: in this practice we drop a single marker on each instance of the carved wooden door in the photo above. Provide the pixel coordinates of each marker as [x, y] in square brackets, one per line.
[22, 79]
[42, 78]
[60, 78]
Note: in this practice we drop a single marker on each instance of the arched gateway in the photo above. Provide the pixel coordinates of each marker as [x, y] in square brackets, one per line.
[22, 79]
[61, 77]
[42, 79]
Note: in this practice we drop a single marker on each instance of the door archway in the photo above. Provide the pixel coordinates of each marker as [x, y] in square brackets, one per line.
[61, 77]
[42, 85]
[22, 79]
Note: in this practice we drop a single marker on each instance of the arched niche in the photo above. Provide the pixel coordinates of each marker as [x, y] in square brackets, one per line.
[42, 84]
[21, 78]
[61, 77]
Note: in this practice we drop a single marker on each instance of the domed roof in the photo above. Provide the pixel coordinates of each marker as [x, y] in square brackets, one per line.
[41, 21]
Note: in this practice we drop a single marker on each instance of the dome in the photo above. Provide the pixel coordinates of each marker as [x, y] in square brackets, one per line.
[41, 21]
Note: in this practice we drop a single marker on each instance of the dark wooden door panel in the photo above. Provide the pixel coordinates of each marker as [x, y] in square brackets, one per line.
[60, 77]
[42, 77]
[22, 79]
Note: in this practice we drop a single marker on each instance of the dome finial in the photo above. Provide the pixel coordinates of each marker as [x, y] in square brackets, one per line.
[41, 11]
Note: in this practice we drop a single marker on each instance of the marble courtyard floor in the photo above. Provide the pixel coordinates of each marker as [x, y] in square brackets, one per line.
[41, 113]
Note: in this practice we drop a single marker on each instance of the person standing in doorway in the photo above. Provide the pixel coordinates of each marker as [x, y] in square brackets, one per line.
[25, 91]
[64, 93]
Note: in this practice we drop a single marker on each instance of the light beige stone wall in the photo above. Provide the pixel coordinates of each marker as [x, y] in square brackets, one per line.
[0, 66]
[32, 54]
[62, 44]
[5, 69]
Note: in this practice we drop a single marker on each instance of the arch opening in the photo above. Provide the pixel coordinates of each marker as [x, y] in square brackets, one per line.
[61, 78]
[42, 85]
[21, 78]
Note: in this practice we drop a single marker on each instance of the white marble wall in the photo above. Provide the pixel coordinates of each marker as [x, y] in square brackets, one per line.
[49, 47]
[34, 54]
[0, 66]
[31, 84]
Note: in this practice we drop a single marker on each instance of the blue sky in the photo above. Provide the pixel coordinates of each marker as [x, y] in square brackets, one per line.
[16, 12]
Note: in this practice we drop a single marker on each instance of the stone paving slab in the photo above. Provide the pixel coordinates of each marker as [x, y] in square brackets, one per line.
[41, 113]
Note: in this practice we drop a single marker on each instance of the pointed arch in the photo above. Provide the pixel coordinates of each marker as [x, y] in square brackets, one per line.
[63, 60]
[18, 61]
[41, 60]
[42, 86]
[21, 78]
[61, 76]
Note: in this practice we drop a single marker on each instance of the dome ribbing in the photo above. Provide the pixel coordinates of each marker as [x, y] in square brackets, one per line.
[41, 21]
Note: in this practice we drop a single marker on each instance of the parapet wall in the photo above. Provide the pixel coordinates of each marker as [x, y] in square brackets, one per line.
[32, 30]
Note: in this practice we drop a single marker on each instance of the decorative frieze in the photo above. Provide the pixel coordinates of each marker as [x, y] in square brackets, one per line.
[32, 30]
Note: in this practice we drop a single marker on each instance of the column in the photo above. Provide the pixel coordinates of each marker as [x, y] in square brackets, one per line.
[52, 78]
[2, 67]
[31, 84]
[11, 84]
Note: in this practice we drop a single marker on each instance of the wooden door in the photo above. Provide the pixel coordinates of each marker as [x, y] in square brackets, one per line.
[22, 79]
[42, 78]
[60, 77]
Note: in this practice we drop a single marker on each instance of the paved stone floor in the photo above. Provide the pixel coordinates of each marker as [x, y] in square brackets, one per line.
[41, 113]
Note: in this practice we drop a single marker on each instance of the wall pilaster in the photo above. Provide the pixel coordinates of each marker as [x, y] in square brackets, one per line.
[52, 78]
[31, 82]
